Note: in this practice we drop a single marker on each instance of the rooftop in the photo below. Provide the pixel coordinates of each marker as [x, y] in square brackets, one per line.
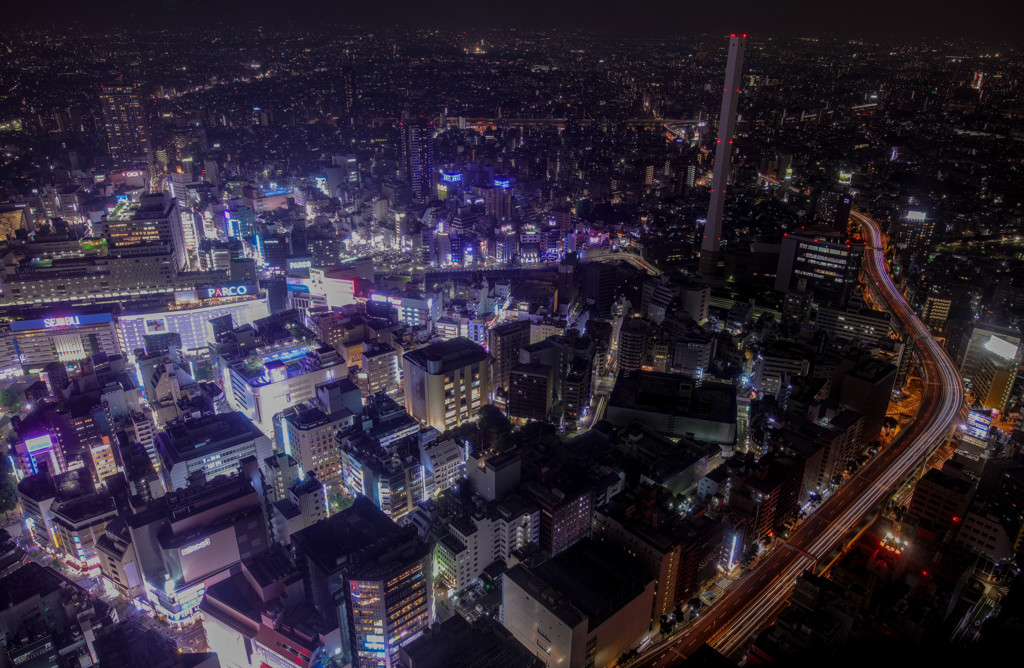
[445, 356]
[359, 537]
[185, 441]
[588, 581]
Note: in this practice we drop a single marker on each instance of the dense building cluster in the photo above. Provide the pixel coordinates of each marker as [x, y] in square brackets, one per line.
[507, 349]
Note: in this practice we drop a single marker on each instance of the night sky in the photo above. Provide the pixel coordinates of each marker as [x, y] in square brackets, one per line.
[904, 20]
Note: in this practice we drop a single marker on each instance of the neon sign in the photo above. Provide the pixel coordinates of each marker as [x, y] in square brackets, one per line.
[195, 547]
[227, 291]
[451, 178]
[394, 301]
[38, 443]
[66, 321]
[502, 183]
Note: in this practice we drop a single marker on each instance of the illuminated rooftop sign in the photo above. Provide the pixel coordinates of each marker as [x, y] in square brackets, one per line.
[195, 547]
[1004, 349]
[451, 178]
[38, 443]
[502, 183]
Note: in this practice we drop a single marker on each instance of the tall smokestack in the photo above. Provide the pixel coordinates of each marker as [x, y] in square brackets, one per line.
[723, 151]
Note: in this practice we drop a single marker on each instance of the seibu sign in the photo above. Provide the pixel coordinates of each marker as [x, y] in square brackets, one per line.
[61, 322]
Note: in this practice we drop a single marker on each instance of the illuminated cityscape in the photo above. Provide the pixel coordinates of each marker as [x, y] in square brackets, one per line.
[448, 337]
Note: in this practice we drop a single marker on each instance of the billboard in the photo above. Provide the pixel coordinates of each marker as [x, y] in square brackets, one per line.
[185, 296]
[1001, 347]
[233, 290]
[60, 322]
[979, 423]
[38, 443]
[156, 326]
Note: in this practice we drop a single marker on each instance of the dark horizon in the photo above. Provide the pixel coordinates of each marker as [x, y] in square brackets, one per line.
[987, 21]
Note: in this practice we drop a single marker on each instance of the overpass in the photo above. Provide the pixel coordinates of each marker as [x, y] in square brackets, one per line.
[762, 593]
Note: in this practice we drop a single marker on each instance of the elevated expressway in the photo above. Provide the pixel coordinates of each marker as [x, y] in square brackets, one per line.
[753, 601]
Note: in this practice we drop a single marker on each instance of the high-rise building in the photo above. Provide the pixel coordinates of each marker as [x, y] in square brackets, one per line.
[153, 229]
[503, 343]
[369, 576]
[830, 264]
[530, 391]
[279, 365]
[711, 243]
[634, 340]
[418, 157]
[986, 339]
[446, 382]
[865, 384]
[306, 432]
[833, 209]
[125, 122]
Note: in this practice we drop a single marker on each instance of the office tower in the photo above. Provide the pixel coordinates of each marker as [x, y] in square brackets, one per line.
[829, 264]
[369, 576]
[634, 340]
[418, 157]
[865, 384]
[993, 384]
[598, 284]
[380, 370]
[125, 122]
[833, 210]
[504, 342]
[446, 382]
[986, 339]
[913, 230]
[530, 391]
[153, 229]
[723, 152]
[306, 432]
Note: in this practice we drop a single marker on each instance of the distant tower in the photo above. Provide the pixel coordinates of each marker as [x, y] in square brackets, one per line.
[723, 151]
[418, 157]
[125, 122]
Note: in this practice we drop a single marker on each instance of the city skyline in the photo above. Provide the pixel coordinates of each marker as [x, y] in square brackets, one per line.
[587, 346]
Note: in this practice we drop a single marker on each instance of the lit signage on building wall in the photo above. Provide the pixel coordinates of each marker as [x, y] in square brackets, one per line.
[229, 291]
[62, 321]
[195, 547]
[300, 263]
[1001, 347]
[451, 178]
[384, 299]
[979, 423]
[38, 443]
[502, 183]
